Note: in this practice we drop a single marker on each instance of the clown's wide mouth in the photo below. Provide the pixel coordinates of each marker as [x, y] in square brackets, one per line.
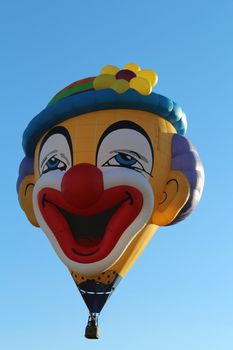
[88, 231]
[89, 235]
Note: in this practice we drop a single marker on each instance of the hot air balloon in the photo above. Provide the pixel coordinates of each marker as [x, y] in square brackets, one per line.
[106, 163]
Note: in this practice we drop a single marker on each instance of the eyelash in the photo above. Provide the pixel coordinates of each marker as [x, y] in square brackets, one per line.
[122, 158]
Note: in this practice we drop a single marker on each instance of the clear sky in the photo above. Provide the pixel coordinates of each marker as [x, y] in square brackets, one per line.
[188, 301]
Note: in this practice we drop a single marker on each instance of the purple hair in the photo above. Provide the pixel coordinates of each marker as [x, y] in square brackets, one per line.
[186, 159]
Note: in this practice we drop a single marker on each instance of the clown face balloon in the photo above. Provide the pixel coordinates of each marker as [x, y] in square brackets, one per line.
[106, 164]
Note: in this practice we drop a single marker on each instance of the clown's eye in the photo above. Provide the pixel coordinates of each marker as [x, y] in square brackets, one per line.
[124, 160]
[125, 145]
[55, 152]
[53, 163]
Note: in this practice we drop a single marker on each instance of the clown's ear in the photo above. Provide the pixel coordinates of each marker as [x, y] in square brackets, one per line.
[25, 198]
[175, 195]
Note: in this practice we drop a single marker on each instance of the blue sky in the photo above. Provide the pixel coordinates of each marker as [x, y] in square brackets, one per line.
[188, 304]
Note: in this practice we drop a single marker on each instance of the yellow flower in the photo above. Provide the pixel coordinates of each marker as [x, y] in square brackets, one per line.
[130, 77]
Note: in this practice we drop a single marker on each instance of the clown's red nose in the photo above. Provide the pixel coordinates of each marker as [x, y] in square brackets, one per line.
[82, 185]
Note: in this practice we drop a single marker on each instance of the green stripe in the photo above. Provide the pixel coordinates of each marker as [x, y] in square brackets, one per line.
[72, 90]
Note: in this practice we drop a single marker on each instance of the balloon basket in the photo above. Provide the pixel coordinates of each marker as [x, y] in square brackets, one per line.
[92, 329]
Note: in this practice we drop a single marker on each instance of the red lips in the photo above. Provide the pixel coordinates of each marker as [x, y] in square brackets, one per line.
[87, 220]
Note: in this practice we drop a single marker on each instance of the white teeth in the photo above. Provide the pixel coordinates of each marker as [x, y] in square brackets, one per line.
[112, 178]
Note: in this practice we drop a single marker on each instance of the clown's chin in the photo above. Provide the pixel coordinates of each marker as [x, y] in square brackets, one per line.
[90, 240]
